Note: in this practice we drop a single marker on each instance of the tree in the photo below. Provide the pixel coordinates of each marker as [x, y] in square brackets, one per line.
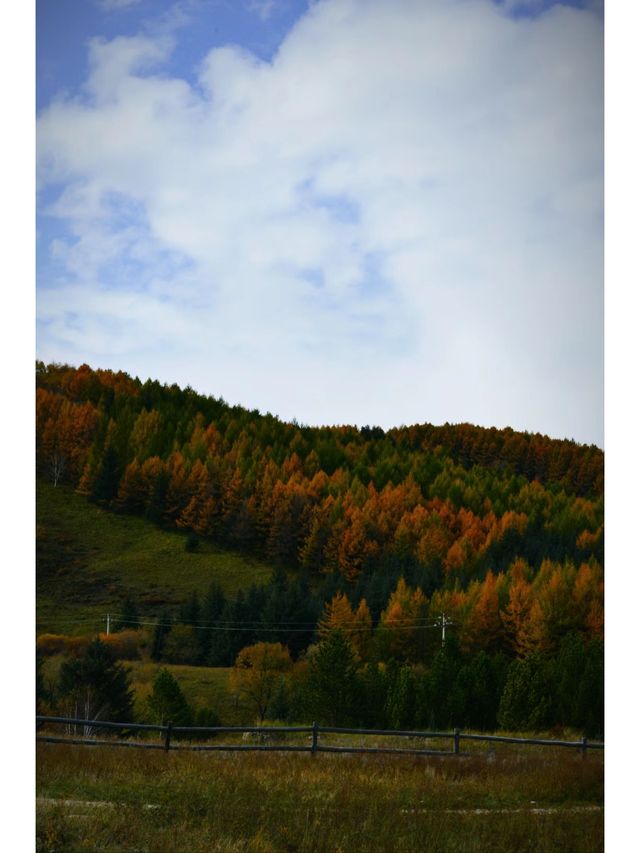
[401, 630]
[105, 487]
[256, 674]
[167, 702]
[516, 617]
[437, 708]
[160, 632]
[181, 645]
[95, 687]
[590, 702]
[483, 629]
[372, 684]
[129, 619]
[400, 706]
[337, 615]
[331, 681]
[527, 699]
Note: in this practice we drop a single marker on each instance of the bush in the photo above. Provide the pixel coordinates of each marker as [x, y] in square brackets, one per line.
[206, 717]
[126, 645]
[57, 644]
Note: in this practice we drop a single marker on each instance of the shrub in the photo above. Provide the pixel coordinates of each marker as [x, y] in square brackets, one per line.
[125, 645]
[56, 644]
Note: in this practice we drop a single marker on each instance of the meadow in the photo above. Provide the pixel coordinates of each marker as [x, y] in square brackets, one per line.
[89, 560]
[92, 799]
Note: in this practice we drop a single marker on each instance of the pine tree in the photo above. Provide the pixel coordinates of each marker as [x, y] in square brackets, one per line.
[528, 697]
[167, 702]
[129, 619]
[331, 685]
[105, 488]
[160, 633]
[95, 687]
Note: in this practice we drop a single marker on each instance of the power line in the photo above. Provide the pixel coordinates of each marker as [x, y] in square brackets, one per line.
[257, 627]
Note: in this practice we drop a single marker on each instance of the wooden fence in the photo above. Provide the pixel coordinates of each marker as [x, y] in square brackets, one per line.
[169, 733]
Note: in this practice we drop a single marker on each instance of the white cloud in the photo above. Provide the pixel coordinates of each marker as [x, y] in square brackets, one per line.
[111, 5]
[397, 220]
[263, 8]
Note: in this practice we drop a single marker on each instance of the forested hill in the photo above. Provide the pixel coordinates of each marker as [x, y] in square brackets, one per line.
[443, 505]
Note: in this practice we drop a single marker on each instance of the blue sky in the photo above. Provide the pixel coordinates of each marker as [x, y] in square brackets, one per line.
[349, 211]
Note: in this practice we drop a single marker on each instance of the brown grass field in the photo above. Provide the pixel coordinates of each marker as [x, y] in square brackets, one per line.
[108, 799]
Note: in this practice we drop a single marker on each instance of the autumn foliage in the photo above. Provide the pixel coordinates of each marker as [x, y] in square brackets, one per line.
[502, 532]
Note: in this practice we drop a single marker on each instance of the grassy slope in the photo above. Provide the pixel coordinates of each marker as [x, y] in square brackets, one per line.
[89, 559]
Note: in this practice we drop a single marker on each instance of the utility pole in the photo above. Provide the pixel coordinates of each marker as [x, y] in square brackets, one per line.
[444, 621]
[108, 623]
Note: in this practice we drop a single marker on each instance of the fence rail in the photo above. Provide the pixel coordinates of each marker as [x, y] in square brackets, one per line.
[169, 730]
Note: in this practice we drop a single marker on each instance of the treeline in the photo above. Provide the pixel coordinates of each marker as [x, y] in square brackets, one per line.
[331, 684]
[516, 613]
[448, 503]
[522, 651]
[483, 691]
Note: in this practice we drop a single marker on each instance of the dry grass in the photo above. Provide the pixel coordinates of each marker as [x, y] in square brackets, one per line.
[268, 803]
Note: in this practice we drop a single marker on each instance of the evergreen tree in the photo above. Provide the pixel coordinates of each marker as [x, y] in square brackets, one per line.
[167, 702]
[160, 633]
[331, 684]
[436, 708]
[129, 619]
[212, 608]
[401, 702]
[105, 488]
[190, 613]
[528, 697]
[279, 706]
[569, 668]
[372, 683]
[590, 703]
[42, 694]
[95, 687]
[158, 501]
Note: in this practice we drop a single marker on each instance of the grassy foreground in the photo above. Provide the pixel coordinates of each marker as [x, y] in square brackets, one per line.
[92, 799]
[89, 559]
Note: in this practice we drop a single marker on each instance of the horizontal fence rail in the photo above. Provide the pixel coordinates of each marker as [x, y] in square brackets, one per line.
[168, 731]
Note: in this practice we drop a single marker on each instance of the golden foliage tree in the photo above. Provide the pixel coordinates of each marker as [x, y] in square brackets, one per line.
[257, 671]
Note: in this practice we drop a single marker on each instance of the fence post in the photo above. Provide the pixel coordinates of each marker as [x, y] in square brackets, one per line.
[314, 738]
[456, 741]
[167, 737]
[583, 748]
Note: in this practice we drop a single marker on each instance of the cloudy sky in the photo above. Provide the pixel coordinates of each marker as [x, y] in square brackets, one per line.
[345, 211]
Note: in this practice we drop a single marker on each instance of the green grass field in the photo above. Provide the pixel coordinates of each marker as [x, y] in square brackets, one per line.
[89, 559]
[123, 800]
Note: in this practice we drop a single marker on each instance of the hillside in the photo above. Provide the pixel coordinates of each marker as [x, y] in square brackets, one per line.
[89, 560]
[454, 501]
[224, 528]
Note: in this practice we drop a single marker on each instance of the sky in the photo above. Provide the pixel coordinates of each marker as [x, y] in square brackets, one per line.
[346, 211]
